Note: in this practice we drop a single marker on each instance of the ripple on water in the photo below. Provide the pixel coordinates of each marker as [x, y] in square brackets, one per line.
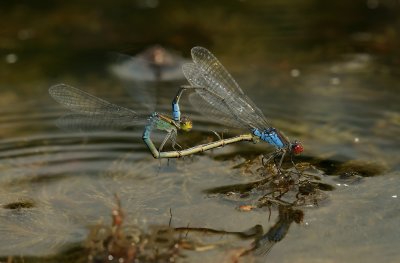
[55, 185]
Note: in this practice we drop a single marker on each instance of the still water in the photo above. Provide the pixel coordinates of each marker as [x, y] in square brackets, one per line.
[333, 87]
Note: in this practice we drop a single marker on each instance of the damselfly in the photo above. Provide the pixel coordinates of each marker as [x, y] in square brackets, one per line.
[220, 94]
[98, 112]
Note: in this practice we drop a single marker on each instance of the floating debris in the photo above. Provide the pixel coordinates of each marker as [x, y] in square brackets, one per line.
[19, 205]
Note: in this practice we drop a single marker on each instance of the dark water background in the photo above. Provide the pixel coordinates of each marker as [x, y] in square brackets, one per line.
[326, 73]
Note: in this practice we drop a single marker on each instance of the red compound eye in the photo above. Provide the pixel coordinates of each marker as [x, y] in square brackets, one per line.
[297, 148]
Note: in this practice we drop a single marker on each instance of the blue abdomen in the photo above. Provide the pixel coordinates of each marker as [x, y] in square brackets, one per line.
[270, 136]
[148, 128]
[176, 113]
[146, 132]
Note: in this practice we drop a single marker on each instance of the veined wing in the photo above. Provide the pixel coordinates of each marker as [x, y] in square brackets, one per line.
[263, 247]
[208, 72]
[83, 103]
[214, 72]
[195, 76]
[207, 109]
[87, 123]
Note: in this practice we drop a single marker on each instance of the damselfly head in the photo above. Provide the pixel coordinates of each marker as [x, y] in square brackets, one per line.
[186, 124]
[297, 147]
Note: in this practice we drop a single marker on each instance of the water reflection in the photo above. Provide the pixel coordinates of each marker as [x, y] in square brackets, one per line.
[331, 80]
[125, 242]
[287, 215]
[286, 191]
[162, 243]
[79, 202]
[153, 64]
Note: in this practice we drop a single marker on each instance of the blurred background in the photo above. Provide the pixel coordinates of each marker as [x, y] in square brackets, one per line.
[325, 72]
[53, 40]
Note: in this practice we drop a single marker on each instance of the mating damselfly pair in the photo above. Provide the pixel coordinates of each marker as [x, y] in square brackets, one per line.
[216, 93]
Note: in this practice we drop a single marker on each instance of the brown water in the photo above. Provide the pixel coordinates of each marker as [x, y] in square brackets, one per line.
[326, 74]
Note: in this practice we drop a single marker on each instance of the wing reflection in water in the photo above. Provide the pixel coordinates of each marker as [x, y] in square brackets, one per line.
[287, 192]
[287, 215]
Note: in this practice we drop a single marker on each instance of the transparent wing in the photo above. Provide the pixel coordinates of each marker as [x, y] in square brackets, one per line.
[263, 247]
[233, 106]
[207, 109]
[195, 77]
[99, 110]
[80, 122]
[214, 72]
[208, 72]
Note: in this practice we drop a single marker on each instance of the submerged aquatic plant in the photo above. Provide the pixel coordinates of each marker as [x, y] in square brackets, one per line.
[287, 190]
[122, 242]
[128, 243]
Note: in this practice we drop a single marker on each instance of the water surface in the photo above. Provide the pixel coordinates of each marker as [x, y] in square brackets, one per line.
[330, 85]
